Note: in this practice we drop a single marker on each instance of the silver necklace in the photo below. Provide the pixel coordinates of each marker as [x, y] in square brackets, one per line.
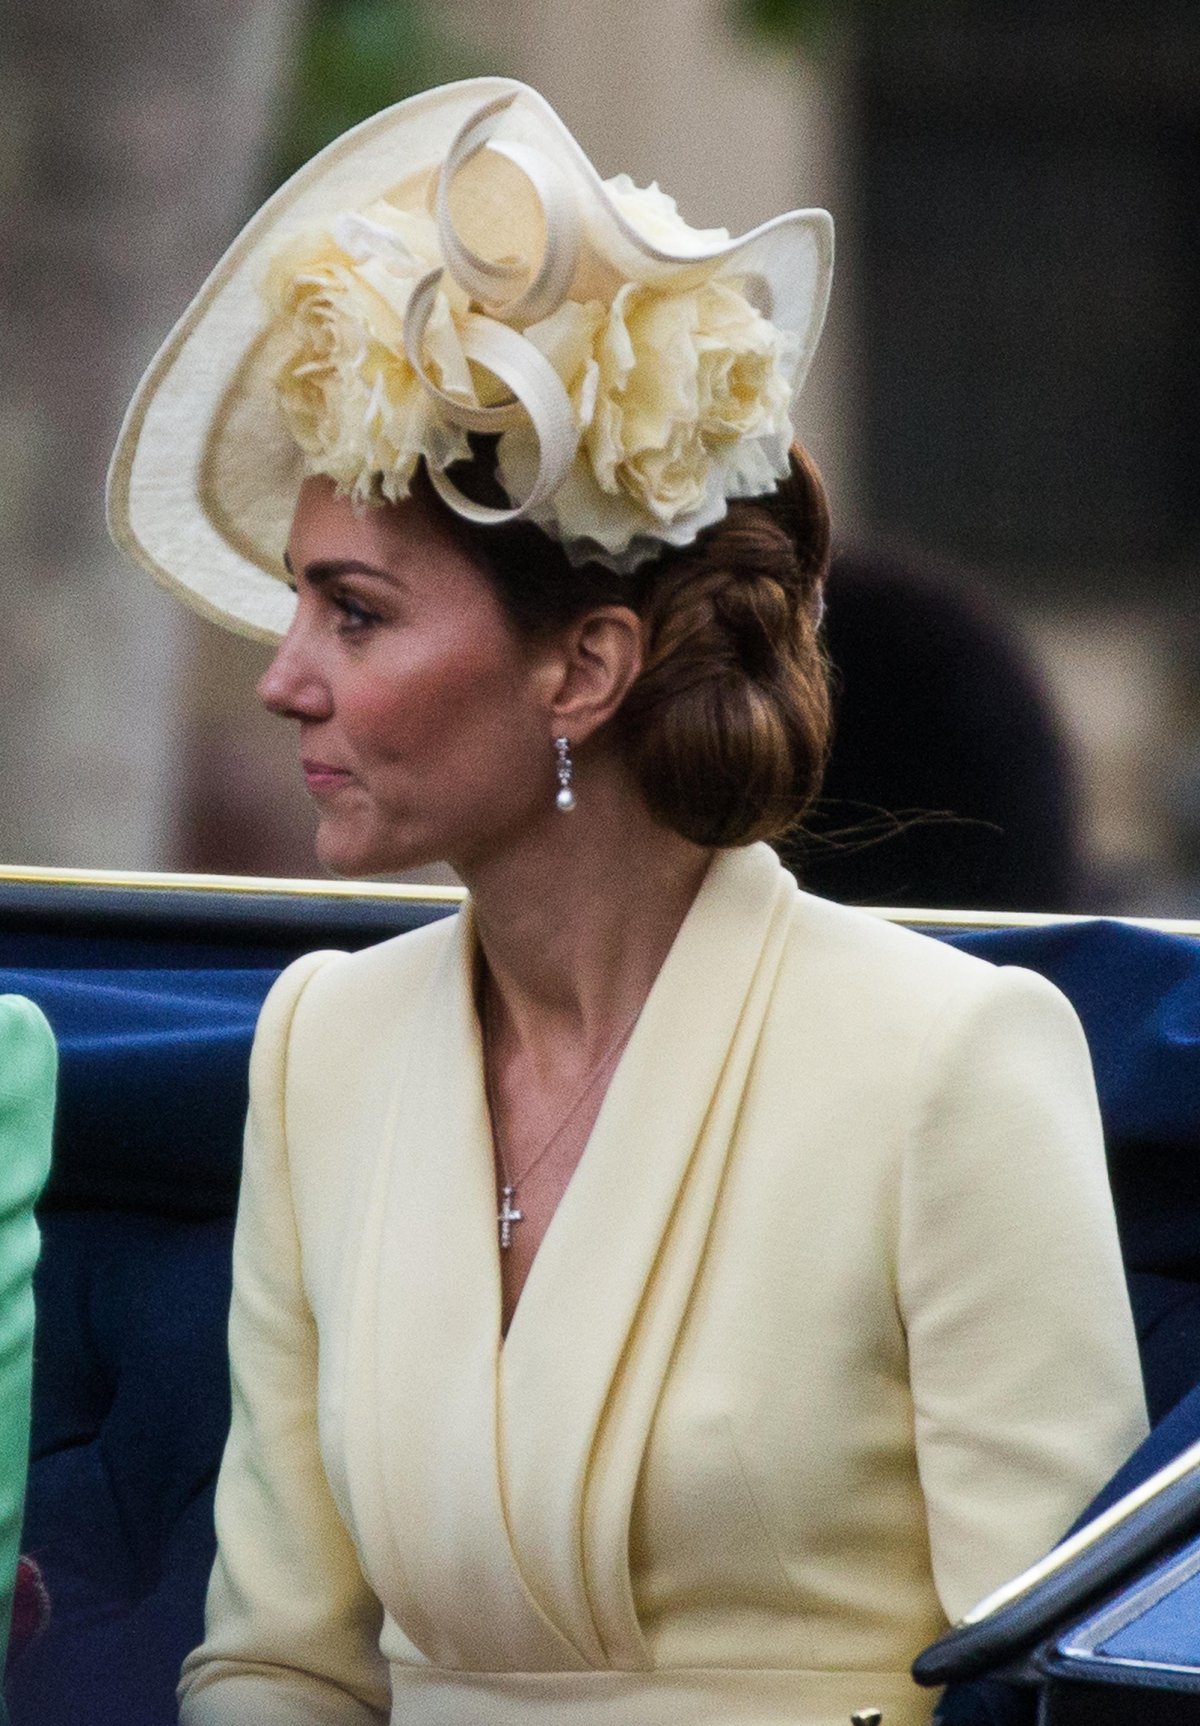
[509, 1215]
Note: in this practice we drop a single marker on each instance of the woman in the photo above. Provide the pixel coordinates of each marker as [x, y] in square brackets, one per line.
[660, 1296]
[28, 1072]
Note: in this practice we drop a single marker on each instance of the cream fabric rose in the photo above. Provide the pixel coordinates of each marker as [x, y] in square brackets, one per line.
[682, 401]
[347, 391]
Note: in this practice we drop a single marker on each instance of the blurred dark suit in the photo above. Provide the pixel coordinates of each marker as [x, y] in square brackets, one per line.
[943, 722]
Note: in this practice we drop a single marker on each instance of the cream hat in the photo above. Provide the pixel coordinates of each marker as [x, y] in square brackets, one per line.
[456, 264]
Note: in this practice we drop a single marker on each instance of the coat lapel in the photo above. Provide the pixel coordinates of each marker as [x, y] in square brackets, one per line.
[456, 1592]
[592, 1337]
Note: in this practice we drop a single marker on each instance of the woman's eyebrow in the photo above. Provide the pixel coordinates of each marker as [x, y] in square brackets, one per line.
[327, 569]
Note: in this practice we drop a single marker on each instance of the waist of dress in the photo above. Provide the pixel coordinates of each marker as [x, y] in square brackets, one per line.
[671, 1696]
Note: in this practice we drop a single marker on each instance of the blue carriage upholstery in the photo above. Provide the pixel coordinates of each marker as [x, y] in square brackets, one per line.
[153, 997]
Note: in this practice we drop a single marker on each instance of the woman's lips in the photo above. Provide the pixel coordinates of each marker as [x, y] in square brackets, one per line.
[321, 776]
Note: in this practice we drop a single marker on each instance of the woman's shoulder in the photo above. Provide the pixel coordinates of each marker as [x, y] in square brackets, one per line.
[883, 1001]
[882, 968]
[28, 1070]
[23, 1025]
[331, 986]
[28, 1054]
[848, 928]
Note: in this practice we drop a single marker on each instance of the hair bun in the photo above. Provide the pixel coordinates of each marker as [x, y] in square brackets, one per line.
[756, 612]
[728, 725]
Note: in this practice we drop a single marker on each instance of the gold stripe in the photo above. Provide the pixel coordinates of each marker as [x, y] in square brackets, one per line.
[407, 892]
[1027, 919]
[1186, 1463]
[280, 886]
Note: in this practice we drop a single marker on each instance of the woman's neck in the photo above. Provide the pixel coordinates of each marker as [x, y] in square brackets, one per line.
[575, 920]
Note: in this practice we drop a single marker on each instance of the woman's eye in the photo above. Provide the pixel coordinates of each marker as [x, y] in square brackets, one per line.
[353, 618]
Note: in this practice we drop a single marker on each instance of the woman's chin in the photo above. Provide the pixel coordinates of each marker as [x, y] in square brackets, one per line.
[342, 849]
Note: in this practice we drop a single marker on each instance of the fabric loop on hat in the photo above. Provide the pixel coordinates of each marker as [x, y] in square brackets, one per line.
[485, 278]
[541, 400]
[501, 416]
[480, 277]
[564, 236]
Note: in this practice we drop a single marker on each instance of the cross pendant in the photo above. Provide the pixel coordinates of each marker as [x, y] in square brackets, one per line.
[508, 1216]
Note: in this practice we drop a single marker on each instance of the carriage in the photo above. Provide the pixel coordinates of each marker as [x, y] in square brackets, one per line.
[152, 984]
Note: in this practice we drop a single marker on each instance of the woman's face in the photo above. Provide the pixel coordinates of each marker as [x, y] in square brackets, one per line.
[421, 732]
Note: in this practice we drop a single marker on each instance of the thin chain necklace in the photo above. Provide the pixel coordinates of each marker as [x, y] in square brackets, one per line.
[508, 1215]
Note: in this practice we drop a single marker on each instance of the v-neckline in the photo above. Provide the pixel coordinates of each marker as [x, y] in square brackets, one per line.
[548, 1231]
[615, 1052]
[723, 867]
[544, 1428]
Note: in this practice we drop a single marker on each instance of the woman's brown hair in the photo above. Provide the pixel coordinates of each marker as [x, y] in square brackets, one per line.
[727, 727]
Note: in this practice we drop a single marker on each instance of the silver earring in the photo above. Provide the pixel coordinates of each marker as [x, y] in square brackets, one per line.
[565, 770]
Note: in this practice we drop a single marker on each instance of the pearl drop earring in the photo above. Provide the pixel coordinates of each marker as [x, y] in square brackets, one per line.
[565, 770]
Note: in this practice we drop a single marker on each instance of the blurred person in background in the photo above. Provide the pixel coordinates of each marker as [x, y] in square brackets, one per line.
[660, 1295]
[949, 782]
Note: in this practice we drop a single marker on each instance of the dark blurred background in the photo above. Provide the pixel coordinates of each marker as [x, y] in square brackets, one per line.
[1005, 406]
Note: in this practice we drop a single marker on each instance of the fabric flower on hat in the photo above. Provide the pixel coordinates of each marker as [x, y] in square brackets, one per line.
[682, 401]
[680, 397]
[683, 378]
[348, 393]
[629, 408]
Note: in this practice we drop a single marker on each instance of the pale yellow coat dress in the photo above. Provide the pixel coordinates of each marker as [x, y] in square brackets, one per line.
[827, 1337]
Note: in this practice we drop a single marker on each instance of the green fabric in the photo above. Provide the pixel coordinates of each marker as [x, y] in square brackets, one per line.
[28, 1063]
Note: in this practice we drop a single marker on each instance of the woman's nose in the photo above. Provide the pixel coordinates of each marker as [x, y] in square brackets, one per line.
[292, 686]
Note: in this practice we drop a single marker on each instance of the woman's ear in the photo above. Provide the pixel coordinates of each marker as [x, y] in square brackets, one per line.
[591, 669]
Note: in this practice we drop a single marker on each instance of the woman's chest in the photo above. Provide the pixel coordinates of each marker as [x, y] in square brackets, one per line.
[729, 1455]
[778, 1480]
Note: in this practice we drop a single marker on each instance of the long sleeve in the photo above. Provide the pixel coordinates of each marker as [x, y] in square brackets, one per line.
[28, 1064]
[1024, 1369]
[292, 1628]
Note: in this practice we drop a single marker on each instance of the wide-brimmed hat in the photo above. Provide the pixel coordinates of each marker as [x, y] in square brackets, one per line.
[491, 282]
